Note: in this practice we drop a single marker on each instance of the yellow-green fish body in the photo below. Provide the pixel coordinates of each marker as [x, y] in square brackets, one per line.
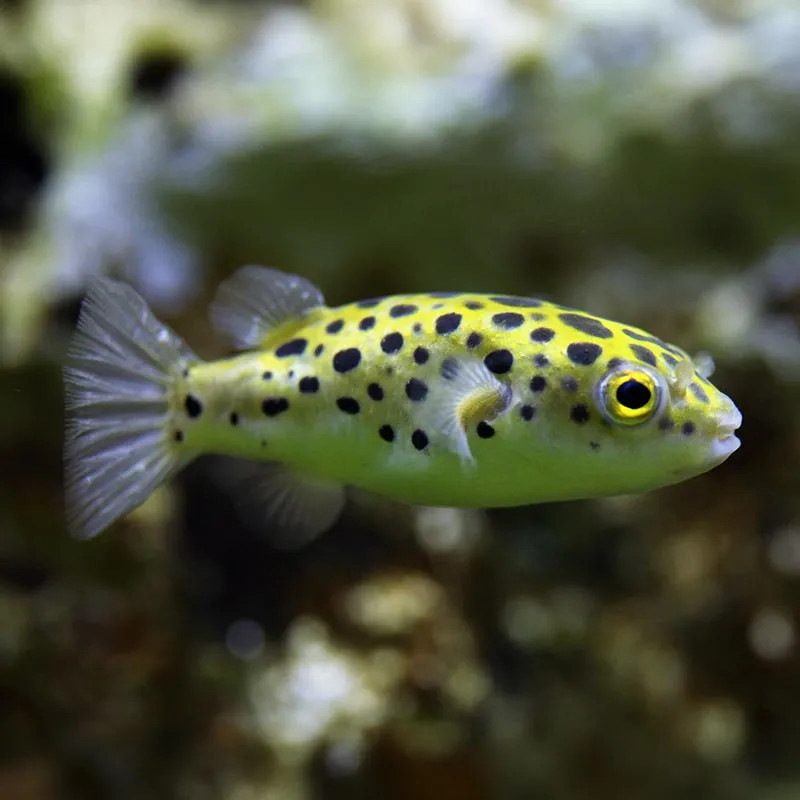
[438, 399]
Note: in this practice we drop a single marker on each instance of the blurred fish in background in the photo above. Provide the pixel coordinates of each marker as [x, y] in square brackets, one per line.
[637, 159]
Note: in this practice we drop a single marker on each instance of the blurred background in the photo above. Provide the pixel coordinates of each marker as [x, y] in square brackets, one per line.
[636, 158]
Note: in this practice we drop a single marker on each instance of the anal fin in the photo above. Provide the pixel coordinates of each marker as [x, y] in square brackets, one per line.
[290, 507]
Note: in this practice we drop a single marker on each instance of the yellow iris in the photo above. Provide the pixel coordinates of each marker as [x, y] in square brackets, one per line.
[631, 396]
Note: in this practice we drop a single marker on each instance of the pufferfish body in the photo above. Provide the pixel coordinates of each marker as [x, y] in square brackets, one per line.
[469, 400]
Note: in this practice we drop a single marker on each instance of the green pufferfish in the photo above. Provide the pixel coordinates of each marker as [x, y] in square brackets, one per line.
[444, 399]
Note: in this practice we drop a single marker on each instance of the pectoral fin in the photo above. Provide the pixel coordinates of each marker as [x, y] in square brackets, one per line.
[467, 394]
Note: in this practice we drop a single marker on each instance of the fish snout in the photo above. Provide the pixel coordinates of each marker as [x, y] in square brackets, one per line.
[725, 441]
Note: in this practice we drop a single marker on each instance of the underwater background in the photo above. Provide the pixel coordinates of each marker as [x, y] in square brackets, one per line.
[637, 159]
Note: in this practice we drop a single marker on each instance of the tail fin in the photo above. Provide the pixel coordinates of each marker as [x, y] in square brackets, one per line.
[117, 380]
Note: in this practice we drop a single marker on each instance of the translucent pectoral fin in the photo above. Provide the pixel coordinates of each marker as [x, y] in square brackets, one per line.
[468, 393]
[254, 301]
[291, 508]
[684, 371]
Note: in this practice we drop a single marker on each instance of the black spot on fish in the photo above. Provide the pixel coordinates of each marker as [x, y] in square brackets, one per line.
[367, 323]
[643, 354]
[538, 383]
[419, 439]
[178, 436]
[417, 327]
[345, 360]
[194, 408]
[588, 325]
[698, 392]
[293, 347]
[402, 310]
[688, 428]
[473, 305]
[335, 326]
[375, 391]
[273, 406]
[669, 360]
[527, 412]
[386, 432]
[448, 323]
[584, 353]
[665, 424]
[541, 360]
[542, 335]
[391, 343]
[421, 355]
[640, 337]
[473, 340]
[440, 295]
[267, 376]
[517, 302]
[348, 404]
[371, 303]
[485, 430]
[416, 390]
[536, 316]
[613, 363]
[507, 320]
[318, 350]
[309, 385]
[569, 384]
[499, 361]
[579, 414]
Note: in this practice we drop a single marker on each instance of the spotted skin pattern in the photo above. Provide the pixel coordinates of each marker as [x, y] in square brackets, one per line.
[356, 395]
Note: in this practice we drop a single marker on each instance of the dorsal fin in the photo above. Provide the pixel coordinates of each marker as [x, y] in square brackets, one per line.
[468, 393]
[254, 301]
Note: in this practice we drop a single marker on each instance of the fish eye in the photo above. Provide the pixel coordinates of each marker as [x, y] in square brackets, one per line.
[630, 396]
[633, 394]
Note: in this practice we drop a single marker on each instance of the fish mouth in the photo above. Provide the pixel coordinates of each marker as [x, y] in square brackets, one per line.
[725, 440]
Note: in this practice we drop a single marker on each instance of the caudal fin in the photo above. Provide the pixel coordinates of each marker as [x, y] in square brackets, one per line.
[120, 367]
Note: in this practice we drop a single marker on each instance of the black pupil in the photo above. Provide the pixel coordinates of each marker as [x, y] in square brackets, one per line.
[633, 394]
